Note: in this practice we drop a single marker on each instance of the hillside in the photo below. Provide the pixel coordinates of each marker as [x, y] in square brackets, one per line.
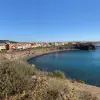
[5, 41]
[22, 81]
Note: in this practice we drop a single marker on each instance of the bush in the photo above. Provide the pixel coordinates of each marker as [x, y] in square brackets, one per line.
[59, 73]
[14, 78]
[38, 91]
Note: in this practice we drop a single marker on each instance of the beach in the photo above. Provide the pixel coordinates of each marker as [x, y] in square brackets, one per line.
[27, 54]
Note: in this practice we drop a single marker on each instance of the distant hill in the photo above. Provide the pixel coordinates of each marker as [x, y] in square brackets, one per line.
[5, 41]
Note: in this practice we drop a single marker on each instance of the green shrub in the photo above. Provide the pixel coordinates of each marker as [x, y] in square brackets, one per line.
[59, 73]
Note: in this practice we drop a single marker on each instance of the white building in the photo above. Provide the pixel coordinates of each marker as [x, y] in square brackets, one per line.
[2, 47]
[18, 47]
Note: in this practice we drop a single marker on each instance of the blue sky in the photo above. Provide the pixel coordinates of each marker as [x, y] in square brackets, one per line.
[50, 20]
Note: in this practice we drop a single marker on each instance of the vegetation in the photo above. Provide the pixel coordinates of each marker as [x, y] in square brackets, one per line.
[59, 73]
[21, 81]
[14, 77]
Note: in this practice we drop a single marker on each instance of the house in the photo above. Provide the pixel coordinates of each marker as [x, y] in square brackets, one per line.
[2, 46]
[22, 46]
[44, 44]
[56, 44]
[38, 45]
[19, 47]
[10, 46]
[28, 45]
[33, 45]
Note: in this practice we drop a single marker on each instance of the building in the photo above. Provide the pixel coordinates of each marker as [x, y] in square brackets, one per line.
[38, 44]
[33, 45]
[19, 47]
[22, 46]
[2, 46]
[28, 45]
[10, 46]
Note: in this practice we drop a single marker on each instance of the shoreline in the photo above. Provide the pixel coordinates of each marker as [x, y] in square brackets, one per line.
[46, 53]
[29, 58]
[28, 55]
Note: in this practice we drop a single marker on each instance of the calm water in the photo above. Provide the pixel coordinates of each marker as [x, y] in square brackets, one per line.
[83, 65]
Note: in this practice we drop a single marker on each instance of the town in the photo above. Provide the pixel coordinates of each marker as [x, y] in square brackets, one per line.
[25, 45]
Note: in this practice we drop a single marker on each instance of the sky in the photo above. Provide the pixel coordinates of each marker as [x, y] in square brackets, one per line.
[50, 20]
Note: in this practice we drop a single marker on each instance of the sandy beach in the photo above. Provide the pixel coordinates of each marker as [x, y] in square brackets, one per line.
[27, 54]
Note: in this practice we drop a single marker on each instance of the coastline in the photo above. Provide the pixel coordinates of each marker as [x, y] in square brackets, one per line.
[28, 55]
[61, 82]
[45, 53]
